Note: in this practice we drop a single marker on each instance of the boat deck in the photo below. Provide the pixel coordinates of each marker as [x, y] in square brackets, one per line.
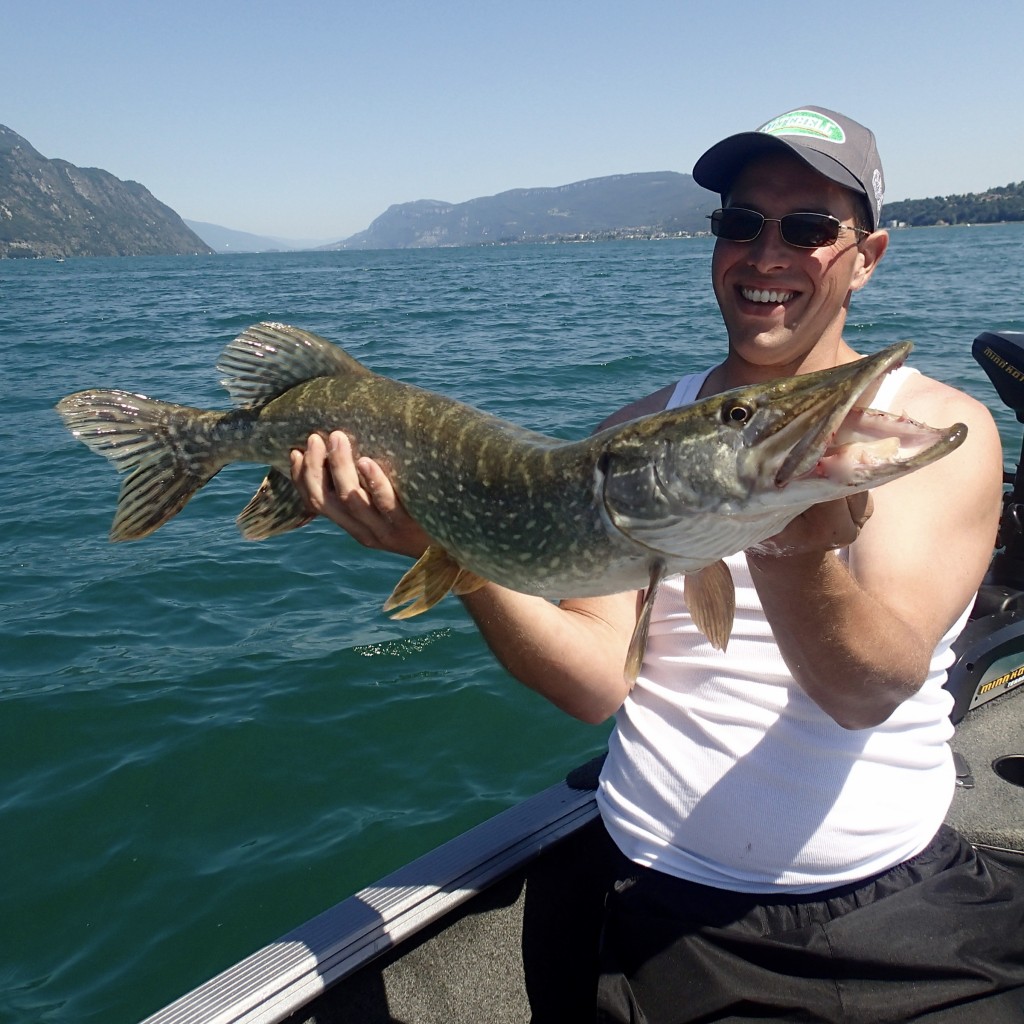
[482, 927]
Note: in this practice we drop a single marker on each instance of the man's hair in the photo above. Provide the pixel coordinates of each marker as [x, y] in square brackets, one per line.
[861, 213]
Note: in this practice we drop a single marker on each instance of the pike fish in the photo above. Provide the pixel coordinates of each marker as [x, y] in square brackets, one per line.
[673, 492]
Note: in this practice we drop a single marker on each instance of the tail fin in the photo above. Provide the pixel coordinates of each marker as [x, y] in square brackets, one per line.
[162, 445]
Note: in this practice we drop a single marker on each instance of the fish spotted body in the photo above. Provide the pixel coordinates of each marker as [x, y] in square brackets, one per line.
[674, 492]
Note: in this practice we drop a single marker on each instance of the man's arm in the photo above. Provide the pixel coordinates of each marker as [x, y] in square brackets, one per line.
[572, 653]
[858, 637]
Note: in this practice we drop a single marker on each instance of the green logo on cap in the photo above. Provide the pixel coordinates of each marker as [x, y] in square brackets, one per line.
[808, 123]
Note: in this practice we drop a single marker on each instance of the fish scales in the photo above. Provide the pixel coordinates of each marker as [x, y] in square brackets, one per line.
[674, 492]
[478, 485]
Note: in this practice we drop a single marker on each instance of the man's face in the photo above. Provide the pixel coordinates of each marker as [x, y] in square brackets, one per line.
[784, 308]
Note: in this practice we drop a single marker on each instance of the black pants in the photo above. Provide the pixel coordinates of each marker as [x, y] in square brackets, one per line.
[939, 938]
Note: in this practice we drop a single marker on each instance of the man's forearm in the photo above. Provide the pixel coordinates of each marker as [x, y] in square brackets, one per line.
[572, 654]
[850, 654]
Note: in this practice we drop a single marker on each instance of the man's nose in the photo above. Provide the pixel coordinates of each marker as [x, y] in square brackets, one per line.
[769, 248]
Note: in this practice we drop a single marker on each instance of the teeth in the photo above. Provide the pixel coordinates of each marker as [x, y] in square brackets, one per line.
[761, 295]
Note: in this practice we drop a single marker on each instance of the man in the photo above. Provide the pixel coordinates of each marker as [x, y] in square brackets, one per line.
[774, 812]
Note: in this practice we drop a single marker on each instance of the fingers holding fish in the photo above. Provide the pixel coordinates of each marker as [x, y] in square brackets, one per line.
[343, 476]
[837, 524]
[329, 483]
[828, 526]
[356, 495]
[861, 508]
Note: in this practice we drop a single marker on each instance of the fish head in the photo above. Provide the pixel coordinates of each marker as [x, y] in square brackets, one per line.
[724, 470]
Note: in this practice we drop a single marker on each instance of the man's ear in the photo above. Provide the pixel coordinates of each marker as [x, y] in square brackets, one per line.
[870, 252]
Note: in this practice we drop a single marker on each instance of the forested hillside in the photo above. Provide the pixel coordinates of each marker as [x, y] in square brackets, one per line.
[53, 208]
[992, 207]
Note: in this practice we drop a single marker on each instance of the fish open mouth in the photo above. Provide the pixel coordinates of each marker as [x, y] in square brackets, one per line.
[868, 440]
[828, 430]
[819, 426]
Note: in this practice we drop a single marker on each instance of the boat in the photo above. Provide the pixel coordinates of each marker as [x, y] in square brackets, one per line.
[480, 929]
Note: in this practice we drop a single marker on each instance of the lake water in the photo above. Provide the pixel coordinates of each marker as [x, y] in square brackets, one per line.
[204, 741]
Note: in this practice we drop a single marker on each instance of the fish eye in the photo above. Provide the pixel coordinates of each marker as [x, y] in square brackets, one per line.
[736, 413]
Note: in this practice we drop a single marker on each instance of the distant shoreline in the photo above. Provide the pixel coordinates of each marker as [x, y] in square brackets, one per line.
[965, 224]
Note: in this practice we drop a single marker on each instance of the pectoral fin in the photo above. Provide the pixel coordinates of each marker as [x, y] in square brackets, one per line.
[711, 598]
[467, 583]
[275, 508]
[425, 583]
[638, 642]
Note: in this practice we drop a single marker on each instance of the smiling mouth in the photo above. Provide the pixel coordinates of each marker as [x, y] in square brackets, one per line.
[764, 295]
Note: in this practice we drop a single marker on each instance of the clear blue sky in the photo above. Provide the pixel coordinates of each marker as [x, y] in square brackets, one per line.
[305, 120]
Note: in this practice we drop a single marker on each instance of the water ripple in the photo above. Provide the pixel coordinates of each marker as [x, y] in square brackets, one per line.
[205, 741]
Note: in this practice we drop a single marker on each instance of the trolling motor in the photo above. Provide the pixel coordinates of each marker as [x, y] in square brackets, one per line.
[990, 650]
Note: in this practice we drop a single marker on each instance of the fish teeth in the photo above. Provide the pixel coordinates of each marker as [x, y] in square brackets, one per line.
[764, 295]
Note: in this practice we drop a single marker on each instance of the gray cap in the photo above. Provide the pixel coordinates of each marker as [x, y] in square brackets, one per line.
[830, 143]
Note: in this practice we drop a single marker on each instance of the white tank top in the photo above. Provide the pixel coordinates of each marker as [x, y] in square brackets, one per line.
[720, 769]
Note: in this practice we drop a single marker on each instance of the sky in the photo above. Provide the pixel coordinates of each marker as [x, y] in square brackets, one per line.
[305, 120]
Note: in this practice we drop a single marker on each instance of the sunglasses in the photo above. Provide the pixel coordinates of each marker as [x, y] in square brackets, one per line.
[803, 230]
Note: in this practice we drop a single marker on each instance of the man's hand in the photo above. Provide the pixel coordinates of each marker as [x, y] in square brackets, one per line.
[356, 495]
[572, 654]
[827, 526]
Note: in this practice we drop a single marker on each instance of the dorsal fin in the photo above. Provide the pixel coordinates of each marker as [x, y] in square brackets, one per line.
[267, 359]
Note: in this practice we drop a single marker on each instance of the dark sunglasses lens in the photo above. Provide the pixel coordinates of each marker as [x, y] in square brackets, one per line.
[736, 225]
[809, 230]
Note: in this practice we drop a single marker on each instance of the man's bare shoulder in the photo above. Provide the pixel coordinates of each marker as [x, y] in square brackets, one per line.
[938, 404]
[652, 403]
[977, 466]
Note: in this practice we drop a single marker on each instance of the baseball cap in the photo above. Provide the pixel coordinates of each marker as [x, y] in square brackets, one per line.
[832, 144]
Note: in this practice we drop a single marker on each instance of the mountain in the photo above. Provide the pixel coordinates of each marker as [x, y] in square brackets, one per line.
[52, 208]
[222, 239]
[653, 203]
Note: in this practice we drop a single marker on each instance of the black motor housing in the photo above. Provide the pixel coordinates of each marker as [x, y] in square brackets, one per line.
[1001, 355]
[990, 650]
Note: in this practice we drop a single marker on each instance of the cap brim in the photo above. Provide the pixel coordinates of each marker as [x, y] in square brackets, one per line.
[717, 168]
